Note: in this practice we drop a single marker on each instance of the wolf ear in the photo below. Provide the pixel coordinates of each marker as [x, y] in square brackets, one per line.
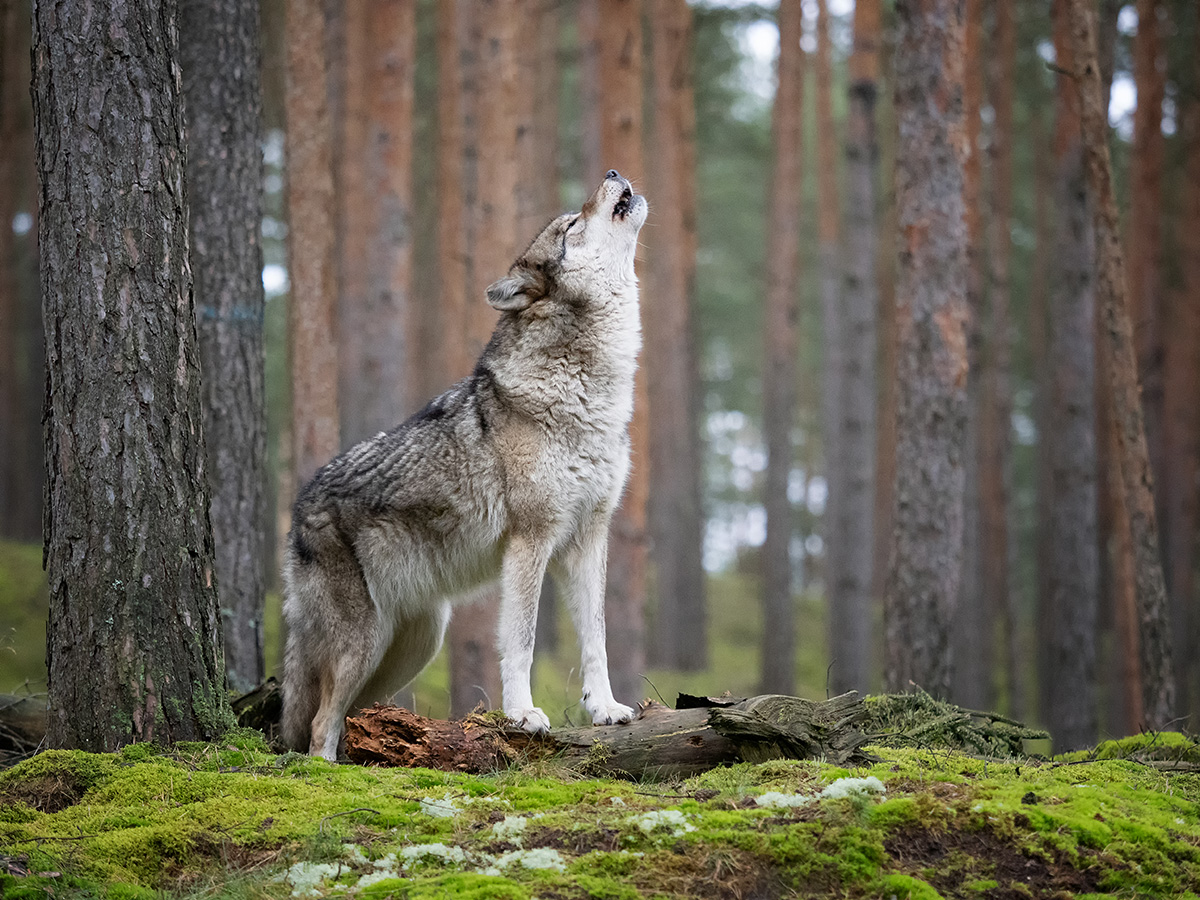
[514, 292]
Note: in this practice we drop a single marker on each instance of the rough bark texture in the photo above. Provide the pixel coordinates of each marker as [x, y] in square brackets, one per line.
[220, 59]
[1147, 161]
[312, 263]
[133, 642]
[1073, 563]
[674, 514]
[660, 744]
[781, 321]
[926, 565]
[849, 305]
[995, 438]
[611, 35]
[1158, 683]
[973, 620]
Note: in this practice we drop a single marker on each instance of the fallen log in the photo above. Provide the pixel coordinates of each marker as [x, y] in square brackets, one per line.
[660, 743]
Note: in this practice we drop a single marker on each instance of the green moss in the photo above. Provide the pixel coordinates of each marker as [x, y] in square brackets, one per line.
[905, 886]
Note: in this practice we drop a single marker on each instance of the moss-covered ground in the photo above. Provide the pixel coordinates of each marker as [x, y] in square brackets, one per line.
[236, 820]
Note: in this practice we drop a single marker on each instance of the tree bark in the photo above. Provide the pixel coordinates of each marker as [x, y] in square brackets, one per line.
[996, 508]
[312, 262]
[1147, 162]
[611, 34]
[1073, 573]
[674, 514]
[1182, 413]
[376, 316]
[926, 564]
[781, 321]
[134, 641]
[974, 620]
[1158, 683]
[220, 55]
[492, 202]
[849, 304]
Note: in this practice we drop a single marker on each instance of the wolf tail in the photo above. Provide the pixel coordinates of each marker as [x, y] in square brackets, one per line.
[301, 697]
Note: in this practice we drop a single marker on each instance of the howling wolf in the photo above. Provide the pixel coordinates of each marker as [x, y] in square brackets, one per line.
[515, 470]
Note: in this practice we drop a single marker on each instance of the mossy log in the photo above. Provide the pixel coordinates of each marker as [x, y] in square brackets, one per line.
[660, 743]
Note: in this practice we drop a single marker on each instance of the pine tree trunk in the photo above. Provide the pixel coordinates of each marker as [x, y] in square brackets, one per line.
[973, 621]
[1145, 228]
[1182, 413]
[312, 261]
[376, 319]
[490, 210]
[1158, 683]
[539, 195]
[1073, 575]
[996, 508]
[134, 641]
[926, 566]
[611, 33]
[219, 51]
[675, 520]
[781, 320]
[849, 309]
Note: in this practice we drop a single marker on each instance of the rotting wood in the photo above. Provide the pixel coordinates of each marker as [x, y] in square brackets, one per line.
[660, 743]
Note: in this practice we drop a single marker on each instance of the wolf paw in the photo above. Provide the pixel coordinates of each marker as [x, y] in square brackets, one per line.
[610, 713]
[532, 720]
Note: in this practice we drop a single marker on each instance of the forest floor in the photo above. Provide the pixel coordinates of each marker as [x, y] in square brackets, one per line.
[236, 820]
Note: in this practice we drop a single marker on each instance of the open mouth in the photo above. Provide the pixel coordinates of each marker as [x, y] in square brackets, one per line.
[623, 204]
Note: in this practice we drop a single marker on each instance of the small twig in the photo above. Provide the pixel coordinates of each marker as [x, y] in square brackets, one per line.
[651, 683]
[321, 826]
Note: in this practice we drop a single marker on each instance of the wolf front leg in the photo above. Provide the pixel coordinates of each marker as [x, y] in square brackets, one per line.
[581, 570]
[522, 571]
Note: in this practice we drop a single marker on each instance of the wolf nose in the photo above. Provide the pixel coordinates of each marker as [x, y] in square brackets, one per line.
[612, 173]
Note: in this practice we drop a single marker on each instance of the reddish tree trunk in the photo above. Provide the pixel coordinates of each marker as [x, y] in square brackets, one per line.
[1158, 686]
[925, 572]
[611, 33]
[312, 264]
[674, 514]
[1182, 413]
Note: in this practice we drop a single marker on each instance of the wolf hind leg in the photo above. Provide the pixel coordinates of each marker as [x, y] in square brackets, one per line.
[414, 644]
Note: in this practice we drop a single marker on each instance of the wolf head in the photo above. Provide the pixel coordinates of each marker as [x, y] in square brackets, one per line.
[578, 253]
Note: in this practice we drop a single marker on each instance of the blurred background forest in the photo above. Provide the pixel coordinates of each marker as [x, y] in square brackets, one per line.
[419, 146]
